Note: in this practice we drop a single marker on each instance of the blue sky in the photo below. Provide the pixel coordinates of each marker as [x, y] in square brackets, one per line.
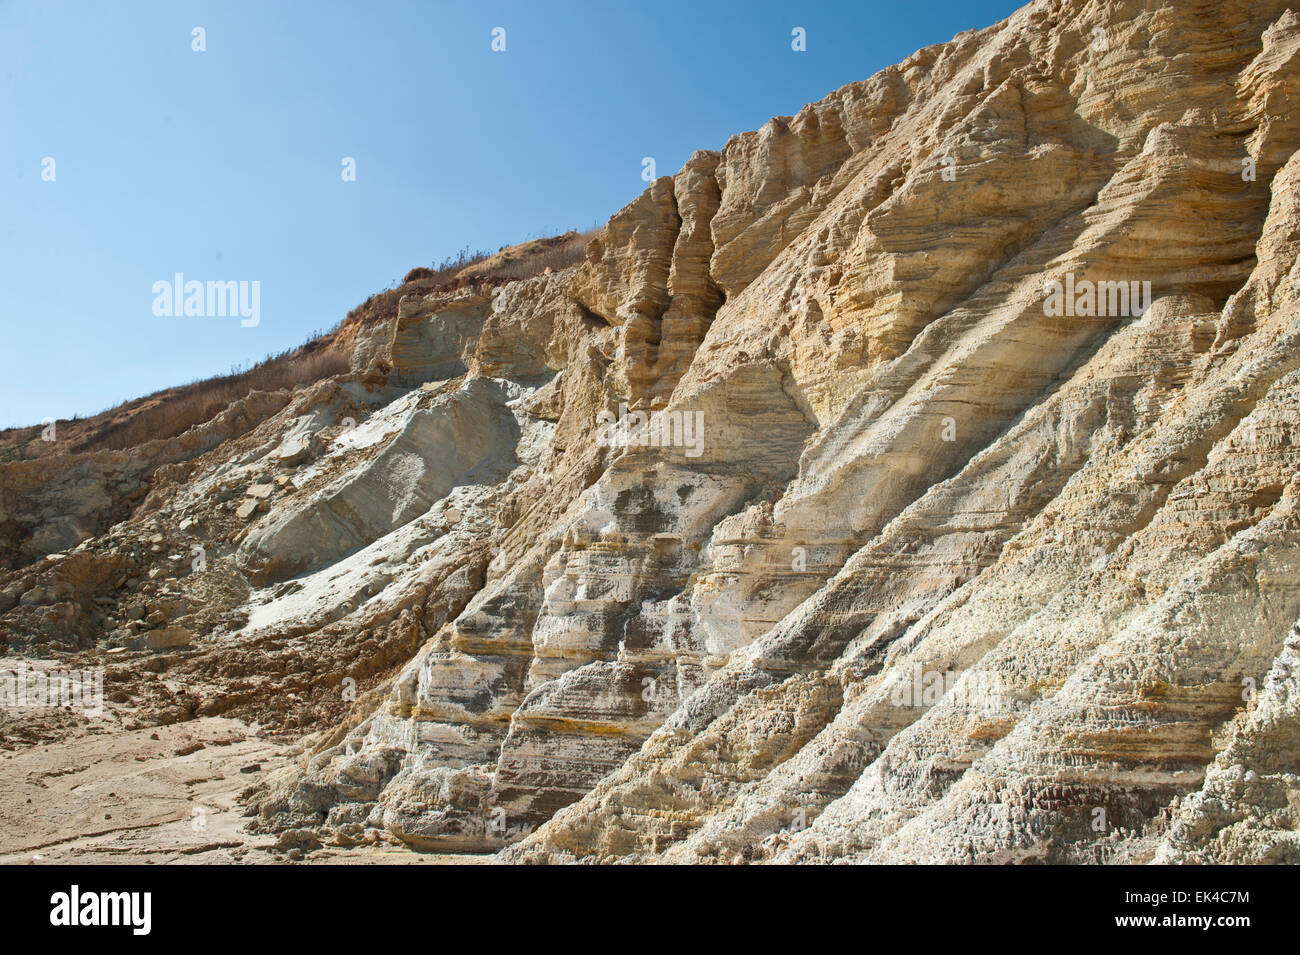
[225, 165]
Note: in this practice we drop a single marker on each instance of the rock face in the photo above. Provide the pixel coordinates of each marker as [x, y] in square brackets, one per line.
[913, 480]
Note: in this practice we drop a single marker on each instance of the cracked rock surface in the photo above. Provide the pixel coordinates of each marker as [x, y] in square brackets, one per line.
[793, 524]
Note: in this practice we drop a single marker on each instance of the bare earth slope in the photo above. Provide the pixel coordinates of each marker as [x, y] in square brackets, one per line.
[797, 523]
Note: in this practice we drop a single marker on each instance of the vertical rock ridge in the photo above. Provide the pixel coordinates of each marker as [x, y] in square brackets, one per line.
[913, 479]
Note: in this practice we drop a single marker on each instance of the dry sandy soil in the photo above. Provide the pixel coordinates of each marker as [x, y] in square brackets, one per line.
[106, 790]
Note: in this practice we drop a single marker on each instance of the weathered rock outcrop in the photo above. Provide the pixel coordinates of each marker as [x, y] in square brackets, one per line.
[914, 479]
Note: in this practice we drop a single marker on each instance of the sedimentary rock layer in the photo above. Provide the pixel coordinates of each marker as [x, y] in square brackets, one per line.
[913, 479]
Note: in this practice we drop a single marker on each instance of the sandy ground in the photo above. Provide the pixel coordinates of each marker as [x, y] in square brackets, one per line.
[105, 794]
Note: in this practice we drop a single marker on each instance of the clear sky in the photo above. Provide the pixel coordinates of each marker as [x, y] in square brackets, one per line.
[226, 164]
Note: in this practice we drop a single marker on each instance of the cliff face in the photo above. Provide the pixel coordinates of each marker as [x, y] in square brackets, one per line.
[914, 480]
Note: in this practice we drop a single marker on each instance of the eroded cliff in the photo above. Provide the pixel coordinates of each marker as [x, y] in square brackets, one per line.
[806, 519]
